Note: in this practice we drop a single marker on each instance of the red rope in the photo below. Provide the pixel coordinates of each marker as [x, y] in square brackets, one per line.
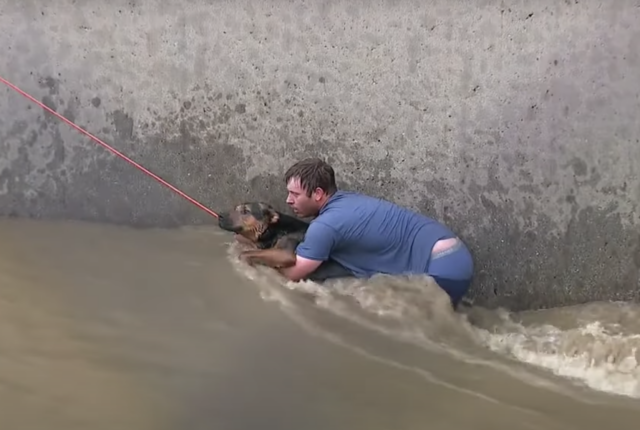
[109, 148]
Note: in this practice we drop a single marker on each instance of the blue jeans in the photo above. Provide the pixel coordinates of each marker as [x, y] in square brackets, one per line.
[452, 269]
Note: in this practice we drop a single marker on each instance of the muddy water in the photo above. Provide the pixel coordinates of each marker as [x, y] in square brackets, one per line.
[105, 327]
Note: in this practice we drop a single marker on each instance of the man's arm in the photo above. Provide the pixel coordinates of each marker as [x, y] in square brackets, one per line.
[310, 253]
[301, 269]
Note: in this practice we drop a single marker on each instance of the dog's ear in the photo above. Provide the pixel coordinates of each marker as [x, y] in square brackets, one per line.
[272, 215]
[269, 213]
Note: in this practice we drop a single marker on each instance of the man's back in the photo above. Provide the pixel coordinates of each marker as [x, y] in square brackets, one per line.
[369, 235]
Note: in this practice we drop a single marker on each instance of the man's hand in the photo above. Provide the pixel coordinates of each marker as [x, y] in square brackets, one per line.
[246, 258]
[291, 266]
[275, 258]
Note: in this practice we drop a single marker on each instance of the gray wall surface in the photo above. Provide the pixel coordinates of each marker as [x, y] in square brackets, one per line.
[516, 123]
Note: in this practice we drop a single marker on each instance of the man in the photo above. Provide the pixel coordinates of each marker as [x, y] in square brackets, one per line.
[369, 235]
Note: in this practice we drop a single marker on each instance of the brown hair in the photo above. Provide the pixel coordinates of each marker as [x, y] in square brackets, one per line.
[313, 173]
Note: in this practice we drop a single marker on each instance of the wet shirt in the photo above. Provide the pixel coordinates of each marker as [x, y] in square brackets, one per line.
[369, 235]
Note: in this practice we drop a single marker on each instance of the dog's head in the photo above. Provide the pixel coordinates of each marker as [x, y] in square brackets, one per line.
[252, 220]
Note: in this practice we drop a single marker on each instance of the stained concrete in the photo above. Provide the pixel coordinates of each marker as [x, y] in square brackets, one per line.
[517, 123]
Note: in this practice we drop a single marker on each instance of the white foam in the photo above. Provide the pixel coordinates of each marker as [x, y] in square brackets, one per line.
[590, 354]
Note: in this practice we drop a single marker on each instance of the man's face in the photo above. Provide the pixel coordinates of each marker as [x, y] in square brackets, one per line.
[301, 204]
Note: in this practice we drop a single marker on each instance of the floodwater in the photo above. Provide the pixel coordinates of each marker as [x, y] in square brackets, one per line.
[105, 327]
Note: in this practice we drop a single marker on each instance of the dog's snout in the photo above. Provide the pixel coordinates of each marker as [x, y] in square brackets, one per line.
[227, 222]
[222, 219]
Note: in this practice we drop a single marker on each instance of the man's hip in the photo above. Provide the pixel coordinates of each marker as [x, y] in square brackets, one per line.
[451, 265]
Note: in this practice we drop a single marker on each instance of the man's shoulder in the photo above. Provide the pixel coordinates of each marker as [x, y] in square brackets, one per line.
[360, 203]
[346, 208]
[348, 199]
[354, 205]
[337, 211]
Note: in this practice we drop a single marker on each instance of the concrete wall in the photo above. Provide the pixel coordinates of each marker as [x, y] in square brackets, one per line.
[517, 123]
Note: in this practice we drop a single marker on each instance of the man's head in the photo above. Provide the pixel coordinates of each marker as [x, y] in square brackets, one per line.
[310, 183]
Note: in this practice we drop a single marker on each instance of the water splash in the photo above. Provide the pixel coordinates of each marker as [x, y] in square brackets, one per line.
[572, 343]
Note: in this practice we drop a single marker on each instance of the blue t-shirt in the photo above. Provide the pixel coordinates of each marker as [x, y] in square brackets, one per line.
[368, 235]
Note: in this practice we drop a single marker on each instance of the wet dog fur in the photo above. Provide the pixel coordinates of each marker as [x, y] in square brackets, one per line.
[274, 237]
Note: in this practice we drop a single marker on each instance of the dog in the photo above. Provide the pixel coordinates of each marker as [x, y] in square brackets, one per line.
[274, 237]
